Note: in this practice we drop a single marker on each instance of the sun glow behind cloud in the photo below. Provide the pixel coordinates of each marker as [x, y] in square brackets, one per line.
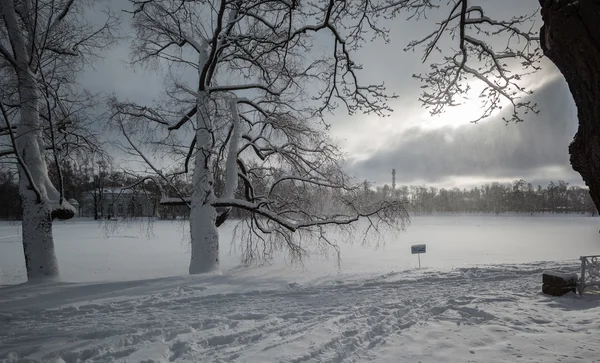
[446, 150]
[471, 106]
[363, 136]
[455, 116]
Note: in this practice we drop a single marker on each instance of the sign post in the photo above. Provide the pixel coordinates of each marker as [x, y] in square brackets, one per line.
[418, 249]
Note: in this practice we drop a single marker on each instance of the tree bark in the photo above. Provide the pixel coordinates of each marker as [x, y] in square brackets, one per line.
[570, 37]
[38, 243]
[41, 201]
[203, 230]
[204, 233]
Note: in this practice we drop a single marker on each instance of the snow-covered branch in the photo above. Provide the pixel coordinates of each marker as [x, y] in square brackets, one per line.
[145, 158]
[477, 59]
[17, 153]
[293, 224]
[7, 56]
[232, 154]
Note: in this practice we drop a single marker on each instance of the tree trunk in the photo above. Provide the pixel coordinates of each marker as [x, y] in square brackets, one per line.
[41, 202]
[204, 233]
[38, 247]
[205, 238]
[38, 244]
[570, 37]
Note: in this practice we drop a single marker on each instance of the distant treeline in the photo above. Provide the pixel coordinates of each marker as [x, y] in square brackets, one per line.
[10, 203]
[520, 197]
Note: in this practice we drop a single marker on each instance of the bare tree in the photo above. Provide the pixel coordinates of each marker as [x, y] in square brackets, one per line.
[265, 73]
[43, 43]
[500, 53]
[95, 170]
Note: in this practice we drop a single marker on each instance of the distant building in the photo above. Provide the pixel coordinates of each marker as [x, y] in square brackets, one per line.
[117, 202]
[174, 208]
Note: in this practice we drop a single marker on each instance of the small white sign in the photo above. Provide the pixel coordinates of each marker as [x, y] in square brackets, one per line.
[416, 249]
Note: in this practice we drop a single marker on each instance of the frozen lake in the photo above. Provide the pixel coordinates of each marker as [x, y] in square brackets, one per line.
[478, 299]
[88, 252]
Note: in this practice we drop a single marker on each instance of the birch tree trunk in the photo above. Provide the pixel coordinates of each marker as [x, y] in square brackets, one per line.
[38, 244]
[41, 201]
[204, 233]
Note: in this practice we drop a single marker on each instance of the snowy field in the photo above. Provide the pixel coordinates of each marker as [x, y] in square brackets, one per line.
[125, 297]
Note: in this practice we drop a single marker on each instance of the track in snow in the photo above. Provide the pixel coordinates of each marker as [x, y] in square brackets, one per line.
[340, 321]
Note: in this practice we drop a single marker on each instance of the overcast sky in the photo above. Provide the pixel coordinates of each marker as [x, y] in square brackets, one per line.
[444, 150]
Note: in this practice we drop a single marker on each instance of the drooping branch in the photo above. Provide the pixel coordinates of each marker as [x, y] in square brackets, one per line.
[17, 153]
[294, 225]
[53, 140]
[480, 60]
[63, 12]
[148, 162]
[7, 152]
[188, 116]
[140, 181]
[232, 154]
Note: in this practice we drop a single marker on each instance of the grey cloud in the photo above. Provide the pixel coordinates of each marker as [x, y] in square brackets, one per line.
[488, 150]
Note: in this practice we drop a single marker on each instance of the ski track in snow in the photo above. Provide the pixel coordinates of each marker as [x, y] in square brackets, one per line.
[457, 315]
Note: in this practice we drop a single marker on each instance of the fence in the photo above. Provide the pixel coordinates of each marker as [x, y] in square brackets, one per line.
[590, 272]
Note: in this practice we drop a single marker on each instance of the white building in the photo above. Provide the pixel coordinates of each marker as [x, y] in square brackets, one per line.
[118, 202]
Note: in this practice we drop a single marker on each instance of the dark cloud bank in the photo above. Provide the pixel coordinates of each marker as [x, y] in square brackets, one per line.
[535, 150]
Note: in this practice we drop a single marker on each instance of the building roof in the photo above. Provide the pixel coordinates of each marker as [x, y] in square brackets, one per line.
[174, 201]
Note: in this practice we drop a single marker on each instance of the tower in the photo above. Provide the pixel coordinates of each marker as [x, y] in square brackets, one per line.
[393, 179]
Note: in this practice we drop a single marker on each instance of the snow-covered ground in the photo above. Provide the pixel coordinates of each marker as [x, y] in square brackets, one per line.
[126, 297]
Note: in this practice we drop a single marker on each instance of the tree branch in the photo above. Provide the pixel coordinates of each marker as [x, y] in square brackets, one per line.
[20, 160]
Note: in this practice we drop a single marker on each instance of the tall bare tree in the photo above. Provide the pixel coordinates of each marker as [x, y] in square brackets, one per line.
[500, 53]
[43, 43]
[261, 76]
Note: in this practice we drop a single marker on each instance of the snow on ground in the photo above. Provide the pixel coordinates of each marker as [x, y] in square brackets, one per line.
[126, 298]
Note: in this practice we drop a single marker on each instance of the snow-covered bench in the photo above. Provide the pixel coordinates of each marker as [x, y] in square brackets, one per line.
[558, 283]
[590, 272]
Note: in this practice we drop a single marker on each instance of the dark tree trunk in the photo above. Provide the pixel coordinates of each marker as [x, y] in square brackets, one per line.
[570, 37]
